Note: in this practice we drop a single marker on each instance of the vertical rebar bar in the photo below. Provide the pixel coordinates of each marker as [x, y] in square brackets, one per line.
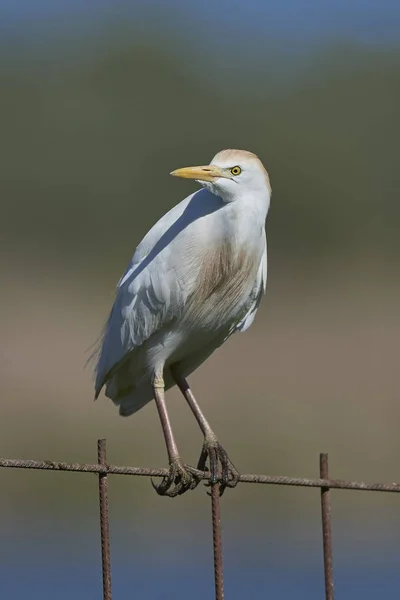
[326, 528]
[104, 522]
[217, 542]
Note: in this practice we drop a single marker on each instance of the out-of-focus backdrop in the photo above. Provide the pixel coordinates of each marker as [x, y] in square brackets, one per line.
[99, 102]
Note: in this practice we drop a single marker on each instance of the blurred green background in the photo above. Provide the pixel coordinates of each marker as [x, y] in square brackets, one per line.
[98, 104]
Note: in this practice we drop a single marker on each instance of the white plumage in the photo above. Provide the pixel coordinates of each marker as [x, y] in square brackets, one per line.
[196, 278]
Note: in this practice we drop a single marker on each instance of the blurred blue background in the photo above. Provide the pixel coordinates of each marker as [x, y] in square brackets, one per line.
[99, 102]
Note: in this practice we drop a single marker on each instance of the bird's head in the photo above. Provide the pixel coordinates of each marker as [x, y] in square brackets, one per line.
[231, 174]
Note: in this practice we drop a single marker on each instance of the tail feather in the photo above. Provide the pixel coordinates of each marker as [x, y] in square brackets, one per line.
[133, 401]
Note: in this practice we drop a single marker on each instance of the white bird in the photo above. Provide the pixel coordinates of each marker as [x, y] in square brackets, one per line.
[196, 278]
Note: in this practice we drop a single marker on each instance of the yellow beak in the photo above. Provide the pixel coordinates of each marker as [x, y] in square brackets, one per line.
[204, 173]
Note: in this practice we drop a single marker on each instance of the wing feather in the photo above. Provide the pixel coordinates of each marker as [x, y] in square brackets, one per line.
[149, 295]
[145, 302]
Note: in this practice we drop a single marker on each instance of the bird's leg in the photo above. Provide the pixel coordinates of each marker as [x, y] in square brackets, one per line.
[181, 477]
[212, 449]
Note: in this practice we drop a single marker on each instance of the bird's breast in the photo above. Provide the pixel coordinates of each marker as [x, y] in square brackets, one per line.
[225, 278]
[225, 269]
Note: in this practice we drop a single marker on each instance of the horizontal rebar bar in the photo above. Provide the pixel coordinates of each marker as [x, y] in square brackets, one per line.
[49, 465]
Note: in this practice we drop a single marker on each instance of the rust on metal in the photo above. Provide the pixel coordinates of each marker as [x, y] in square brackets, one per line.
[104, 522]
[102, 469]
[326, 528]
[217, 541]
[50, 465]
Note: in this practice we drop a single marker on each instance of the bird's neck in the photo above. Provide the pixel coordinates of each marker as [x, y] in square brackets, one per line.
[243, 222]
[252, 206]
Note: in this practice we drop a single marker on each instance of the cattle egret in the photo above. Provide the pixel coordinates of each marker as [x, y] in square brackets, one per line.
[196, 278]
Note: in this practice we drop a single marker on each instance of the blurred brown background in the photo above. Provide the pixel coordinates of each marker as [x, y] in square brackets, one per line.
[92, 121]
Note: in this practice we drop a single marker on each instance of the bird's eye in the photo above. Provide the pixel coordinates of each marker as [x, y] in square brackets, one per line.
[236, 170]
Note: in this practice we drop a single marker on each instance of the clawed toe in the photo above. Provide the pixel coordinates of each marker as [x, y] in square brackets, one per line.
[221, 469]
[182, 478]
[179, 480]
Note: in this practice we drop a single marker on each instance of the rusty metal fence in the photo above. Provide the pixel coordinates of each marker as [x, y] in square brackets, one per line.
[324, 483]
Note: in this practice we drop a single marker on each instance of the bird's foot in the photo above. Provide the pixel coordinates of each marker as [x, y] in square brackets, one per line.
[221, 469]
[179, 480]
